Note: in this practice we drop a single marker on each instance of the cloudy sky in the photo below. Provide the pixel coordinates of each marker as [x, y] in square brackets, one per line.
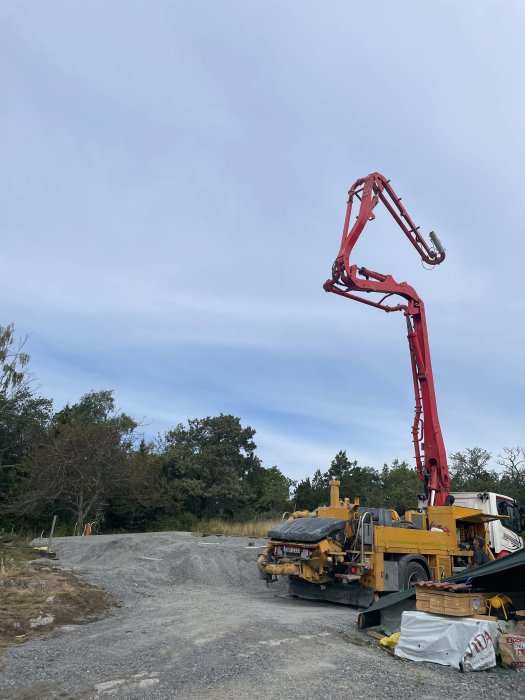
[173, 187]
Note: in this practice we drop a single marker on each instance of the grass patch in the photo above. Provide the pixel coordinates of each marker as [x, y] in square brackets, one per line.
[249, 528]
[35, 597]
[14, 549]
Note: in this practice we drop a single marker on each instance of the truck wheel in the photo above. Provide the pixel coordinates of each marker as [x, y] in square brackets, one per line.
[413, 572]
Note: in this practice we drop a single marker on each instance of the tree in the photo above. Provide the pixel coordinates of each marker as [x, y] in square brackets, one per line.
[399, 486]
[23, 415]
[143, 498]
[208, 464]
[309, 494]
[95, 408]
[269, 489]
[343, 469]
[83, 460]
[469, 472]
[513, 478]
[355, 482]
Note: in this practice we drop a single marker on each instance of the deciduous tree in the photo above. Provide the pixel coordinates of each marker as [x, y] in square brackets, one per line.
[513, 478]
[469, 472]
[83, 460]
[207, 464]
[24, 415]
[270, 489]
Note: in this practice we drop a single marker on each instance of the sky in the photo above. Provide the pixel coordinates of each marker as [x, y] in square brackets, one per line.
[173, 185]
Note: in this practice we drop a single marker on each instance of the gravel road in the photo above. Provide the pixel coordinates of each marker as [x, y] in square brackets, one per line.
[194, 621]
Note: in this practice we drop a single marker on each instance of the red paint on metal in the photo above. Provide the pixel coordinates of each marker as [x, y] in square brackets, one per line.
[351, 281]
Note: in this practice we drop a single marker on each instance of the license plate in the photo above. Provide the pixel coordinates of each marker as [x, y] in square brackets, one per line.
[296, 551]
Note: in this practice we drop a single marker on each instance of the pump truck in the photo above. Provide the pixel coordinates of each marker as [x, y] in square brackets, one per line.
[350, 553]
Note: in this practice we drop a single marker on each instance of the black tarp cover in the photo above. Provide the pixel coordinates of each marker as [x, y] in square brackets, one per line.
[306, 530]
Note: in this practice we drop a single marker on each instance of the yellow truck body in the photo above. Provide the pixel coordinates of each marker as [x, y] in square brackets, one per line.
[351, 554]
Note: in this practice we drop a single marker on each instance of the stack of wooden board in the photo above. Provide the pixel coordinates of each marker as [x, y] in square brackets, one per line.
[455, 603]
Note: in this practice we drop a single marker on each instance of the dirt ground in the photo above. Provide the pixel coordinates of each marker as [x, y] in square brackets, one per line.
[40, 596]
[195, 621]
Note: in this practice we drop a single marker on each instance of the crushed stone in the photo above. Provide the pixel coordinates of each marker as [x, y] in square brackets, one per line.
[194, 620]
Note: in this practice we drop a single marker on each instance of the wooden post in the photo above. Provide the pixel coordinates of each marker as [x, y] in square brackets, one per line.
[51, 534]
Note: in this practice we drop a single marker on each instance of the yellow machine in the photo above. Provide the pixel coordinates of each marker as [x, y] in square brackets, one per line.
[346, 553]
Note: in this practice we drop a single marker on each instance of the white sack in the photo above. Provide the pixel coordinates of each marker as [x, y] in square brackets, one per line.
[480, 653]
[450, 641]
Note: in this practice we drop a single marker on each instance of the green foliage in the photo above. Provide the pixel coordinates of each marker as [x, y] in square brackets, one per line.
[181, 521]
[24, 416]
[95, 408]
[211, 469]
[469, 472]
[83, 463]
[144, 499]
[13, 360]
[312, 493]
[203, 463]
[400, 486]
[356, 482]
[513, 477]
[269, 489]
[397, 486]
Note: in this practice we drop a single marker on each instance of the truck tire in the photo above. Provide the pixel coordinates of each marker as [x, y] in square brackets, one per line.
[412, 572]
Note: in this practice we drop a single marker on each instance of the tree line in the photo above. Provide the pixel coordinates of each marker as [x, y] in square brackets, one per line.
[90, 462]
[397, 485]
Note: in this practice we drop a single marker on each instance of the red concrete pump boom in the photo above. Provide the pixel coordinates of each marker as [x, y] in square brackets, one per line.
[350, 281]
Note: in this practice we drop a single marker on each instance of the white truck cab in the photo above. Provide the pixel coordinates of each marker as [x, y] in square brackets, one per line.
[504, 535]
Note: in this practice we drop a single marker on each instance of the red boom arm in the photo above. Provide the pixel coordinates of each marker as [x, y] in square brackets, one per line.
[350, 281]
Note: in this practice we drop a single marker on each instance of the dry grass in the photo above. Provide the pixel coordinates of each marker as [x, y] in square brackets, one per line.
[8, 567]
[38, 596]
[249, 528]
[14, 549]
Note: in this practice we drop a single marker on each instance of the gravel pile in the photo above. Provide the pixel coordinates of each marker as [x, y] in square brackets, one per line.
[195, 621]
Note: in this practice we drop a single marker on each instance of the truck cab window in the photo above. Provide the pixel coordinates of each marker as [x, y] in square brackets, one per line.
[513, 520]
